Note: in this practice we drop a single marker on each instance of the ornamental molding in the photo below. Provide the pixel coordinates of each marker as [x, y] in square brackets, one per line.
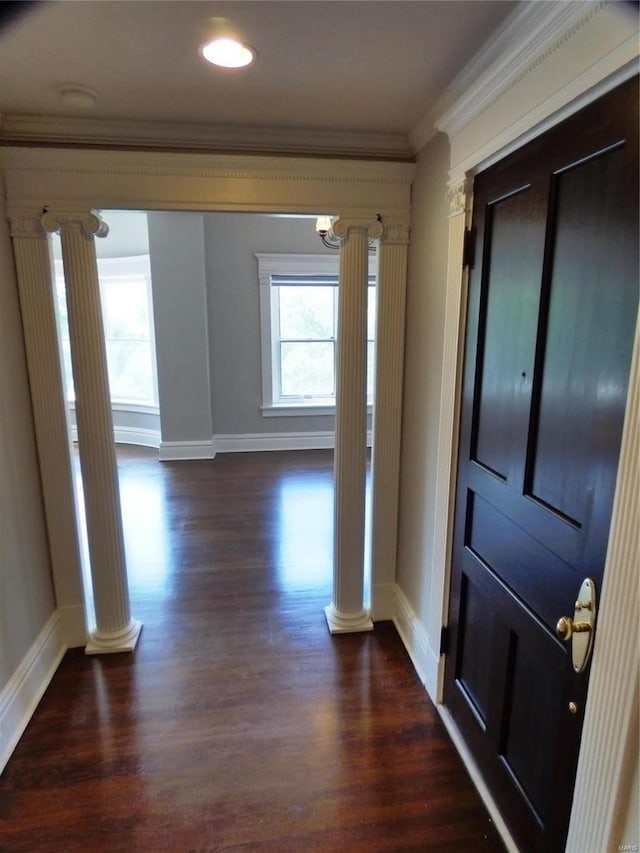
[171, 136]
[459, 196]
[532, 37]
[88, 222]
[26, 225]
[552, 111]
[526, 40]
[204, 166]
[395, 233]
[344, 225]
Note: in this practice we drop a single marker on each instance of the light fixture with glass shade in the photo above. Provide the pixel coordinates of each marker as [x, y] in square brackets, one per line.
[324, 229]
[325, 232]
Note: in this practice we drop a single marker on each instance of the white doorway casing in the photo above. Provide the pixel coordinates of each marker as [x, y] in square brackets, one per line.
[565, 57]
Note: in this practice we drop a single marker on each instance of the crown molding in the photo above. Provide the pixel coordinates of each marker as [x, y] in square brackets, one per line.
[20, 129]
[600, 79]
[534, 32]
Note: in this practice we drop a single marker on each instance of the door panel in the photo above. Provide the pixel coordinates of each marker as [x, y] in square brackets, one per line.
[582, 372]
[528, 754]
[477, 630]
[514, 241]
[551, 314]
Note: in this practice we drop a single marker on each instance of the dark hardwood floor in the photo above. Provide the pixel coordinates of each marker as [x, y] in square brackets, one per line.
[239, 723]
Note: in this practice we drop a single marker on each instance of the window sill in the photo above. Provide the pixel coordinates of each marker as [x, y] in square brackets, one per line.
[140, 408]
[143, 408]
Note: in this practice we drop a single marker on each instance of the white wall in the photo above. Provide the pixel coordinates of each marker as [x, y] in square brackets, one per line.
[426, 292]
[26, 591]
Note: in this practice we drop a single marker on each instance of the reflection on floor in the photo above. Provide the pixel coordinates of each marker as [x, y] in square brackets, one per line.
[239, 723]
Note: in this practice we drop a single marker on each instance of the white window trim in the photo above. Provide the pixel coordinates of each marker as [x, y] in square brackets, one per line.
[270, 264]
[122, 267]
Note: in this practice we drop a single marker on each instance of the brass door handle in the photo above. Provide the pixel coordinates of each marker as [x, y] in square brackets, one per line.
[579, 630]
[566, 627]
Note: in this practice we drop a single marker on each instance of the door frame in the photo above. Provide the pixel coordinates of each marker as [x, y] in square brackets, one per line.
[611, 711]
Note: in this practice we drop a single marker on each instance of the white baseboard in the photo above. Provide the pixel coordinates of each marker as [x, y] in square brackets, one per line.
[20, 696]
[416, 641]
[477, 779]
[74, 626]
[247, 442]
[239, 443]
[183, 450]
[383, 601]
[137, 435]
[129, 435]
[426, 662]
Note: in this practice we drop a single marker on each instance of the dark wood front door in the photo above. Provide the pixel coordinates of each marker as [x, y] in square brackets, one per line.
[553, 297]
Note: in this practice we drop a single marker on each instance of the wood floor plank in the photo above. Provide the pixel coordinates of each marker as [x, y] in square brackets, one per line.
[239, 723]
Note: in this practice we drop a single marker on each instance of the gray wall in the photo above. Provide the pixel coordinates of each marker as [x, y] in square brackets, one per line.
[426, 291]
[231, 243]
[176, 245]
[206, 306]
[26, 591]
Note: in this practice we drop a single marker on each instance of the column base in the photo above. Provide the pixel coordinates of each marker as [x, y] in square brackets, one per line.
[104, 643]
[347, 623]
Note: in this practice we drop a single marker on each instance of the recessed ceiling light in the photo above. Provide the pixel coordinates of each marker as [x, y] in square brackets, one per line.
[228, 53]
[80, 97]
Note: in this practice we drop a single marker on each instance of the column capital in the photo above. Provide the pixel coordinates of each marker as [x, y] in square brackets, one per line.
[395, 232]
[343, 225]
[25, 224]
[459, 195]
[88, 222]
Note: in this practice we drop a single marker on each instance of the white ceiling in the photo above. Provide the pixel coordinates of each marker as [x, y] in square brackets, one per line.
[370, 66]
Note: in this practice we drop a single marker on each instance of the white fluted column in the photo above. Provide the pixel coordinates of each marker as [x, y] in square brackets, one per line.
[37, 304]
[346, 613]
[115, 630]
[387, 411]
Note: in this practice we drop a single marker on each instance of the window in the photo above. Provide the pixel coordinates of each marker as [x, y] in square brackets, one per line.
[125, 293]
[299, 317]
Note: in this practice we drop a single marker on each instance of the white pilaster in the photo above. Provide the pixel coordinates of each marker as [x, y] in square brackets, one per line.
[35, 285]
[346, 613]
[460, 196]
[609, 746]
[115, 630]
[387, 410]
